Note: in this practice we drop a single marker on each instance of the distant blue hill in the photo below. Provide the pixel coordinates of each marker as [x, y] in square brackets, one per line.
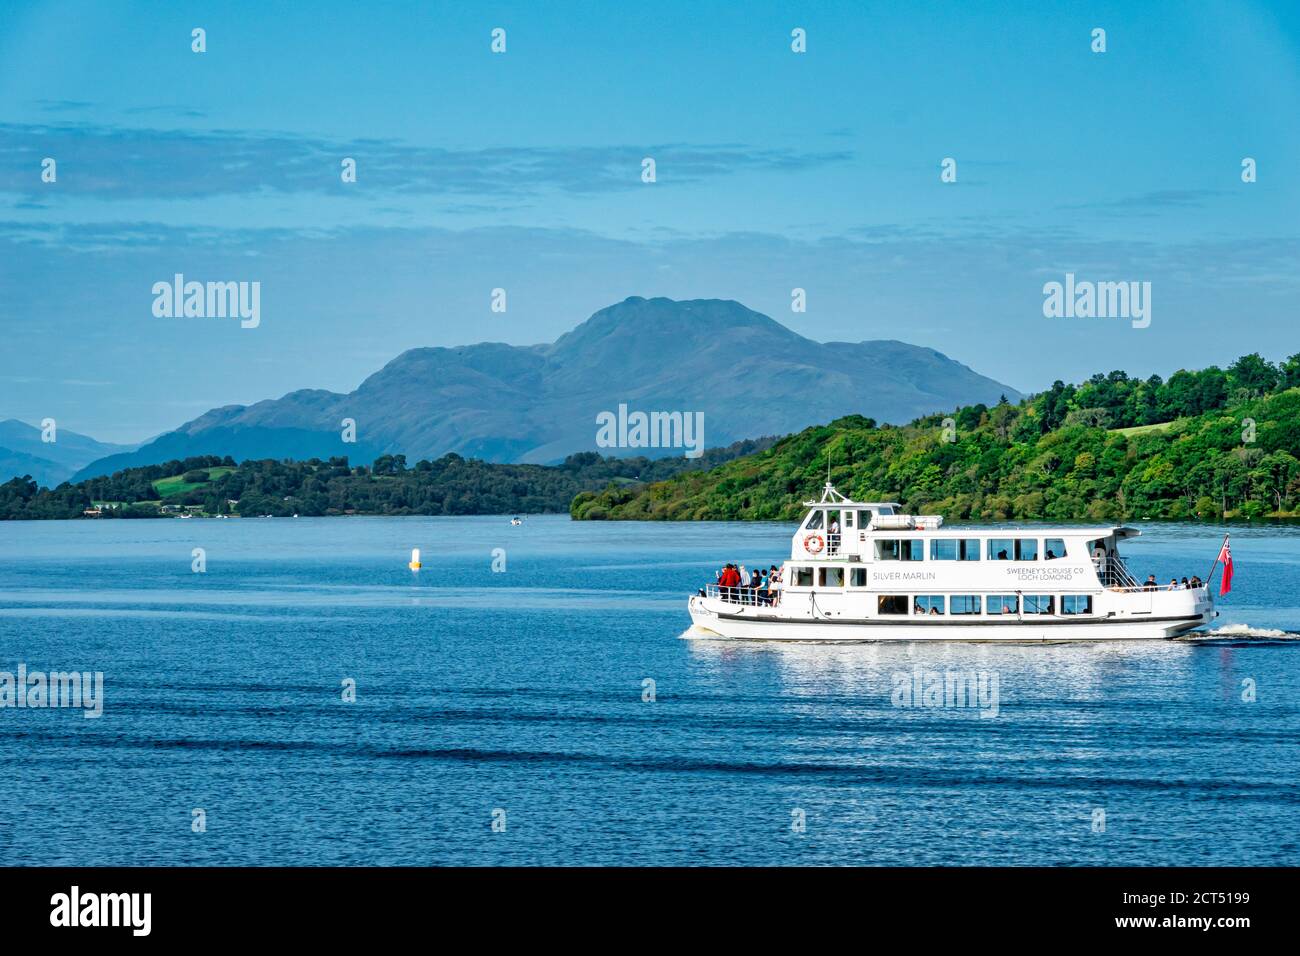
[23, 453]
[747, 373]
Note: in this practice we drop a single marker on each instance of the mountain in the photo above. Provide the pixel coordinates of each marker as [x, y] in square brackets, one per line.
[1110, 449]
[50, 463]
[748, 374]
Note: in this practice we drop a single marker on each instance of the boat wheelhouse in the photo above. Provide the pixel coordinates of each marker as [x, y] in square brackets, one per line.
[865, 571]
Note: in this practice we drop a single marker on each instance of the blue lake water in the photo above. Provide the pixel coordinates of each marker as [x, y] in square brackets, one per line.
[521, 692]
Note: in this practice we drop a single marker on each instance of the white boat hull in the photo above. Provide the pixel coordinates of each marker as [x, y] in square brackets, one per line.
[863, 571]
[718, 619]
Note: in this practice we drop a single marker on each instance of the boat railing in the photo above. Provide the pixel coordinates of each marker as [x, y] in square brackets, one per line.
[832, 545]
[1114, 574]
[749, 597]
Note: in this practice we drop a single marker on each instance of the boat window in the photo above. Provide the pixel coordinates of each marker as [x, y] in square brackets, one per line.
[892, 604]
[1000, 549]
[1002, 604]
[803, 577]
[894, 549]
[1039, 604]
[1054, 549]
[857, 577]
[815, 519]
[1026, 549]
[928, 604]
[885, 510]
[830, 577]
[964, 604]
[955, 549]
[848, 520]
[1076, 604]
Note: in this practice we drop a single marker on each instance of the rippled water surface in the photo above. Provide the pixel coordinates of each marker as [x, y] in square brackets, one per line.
[522, 692]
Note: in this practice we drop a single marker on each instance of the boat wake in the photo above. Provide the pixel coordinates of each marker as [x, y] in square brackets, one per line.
[1241, 634]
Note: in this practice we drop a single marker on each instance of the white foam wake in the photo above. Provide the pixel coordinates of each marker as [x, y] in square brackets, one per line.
[1245, 630]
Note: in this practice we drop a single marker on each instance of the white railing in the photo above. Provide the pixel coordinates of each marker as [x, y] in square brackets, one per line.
[749, 597]
[1114, 574]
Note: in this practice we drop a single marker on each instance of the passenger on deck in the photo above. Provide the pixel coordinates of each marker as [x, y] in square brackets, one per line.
[1173, 584]
[1150, 584]
[728, 581]
[1184, 585]
[1196, 581]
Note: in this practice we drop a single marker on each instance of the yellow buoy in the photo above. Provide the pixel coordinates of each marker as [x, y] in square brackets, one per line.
[415, 559]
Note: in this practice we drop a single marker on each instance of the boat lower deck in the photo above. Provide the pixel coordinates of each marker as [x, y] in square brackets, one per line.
[724, 619]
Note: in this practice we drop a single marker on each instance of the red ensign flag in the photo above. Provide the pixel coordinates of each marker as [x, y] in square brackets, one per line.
[1225, 555]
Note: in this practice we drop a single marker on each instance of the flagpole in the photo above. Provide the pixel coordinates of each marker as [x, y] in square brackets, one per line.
[1216, 561]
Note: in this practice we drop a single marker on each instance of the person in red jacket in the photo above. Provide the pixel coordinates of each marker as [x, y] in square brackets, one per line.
[730, 579]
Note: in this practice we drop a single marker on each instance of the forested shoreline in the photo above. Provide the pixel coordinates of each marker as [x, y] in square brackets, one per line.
[451, 485]
[1204, 445]
[1208, 445]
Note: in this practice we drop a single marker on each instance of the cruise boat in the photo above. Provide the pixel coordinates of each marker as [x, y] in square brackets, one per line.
[864, 571]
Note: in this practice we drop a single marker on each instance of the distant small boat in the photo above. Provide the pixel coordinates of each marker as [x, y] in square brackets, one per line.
[516, 520]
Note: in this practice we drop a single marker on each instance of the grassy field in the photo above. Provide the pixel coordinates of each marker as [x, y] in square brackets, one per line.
[1142, 429]
[176, 485]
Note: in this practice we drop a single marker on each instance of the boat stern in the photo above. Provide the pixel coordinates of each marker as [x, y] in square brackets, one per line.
[1184, 610]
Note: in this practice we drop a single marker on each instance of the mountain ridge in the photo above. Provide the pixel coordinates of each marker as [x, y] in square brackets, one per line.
[534, 404]
[23, 452]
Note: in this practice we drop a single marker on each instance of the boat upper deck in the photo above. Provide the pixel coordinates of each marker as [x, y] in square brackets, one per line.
[838, 528]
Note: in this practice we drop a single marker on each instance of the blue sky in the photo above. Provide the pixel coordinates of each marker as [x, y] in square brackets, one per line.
[522, 170]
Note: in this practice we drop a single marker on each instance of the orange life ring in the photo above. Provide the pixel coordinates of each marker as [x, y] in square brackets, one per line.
[810, 540]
